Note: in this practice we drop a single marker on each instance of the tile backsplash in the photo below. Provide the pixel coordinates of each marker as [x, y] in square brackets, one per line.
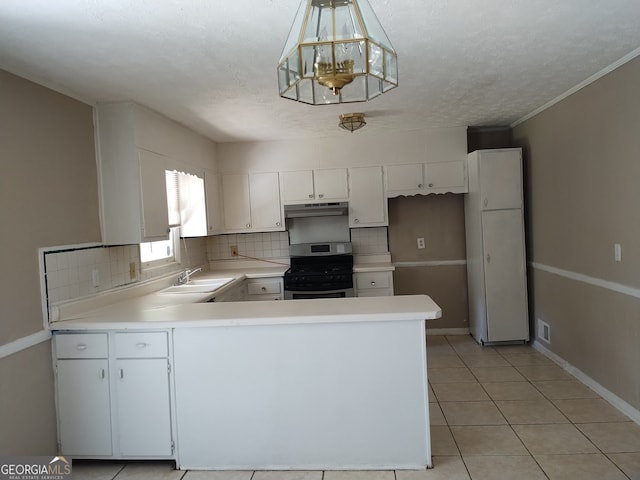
[367, 241]
[254, 245]
[72, 273]
[76, 273]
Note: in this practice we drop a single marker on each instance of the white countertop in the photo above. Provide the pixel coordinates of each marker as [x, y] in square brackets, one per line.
[160, 310]
[146, 313]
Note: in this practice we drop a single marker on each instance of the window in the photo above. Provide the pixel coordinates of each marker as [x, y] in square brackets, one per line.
[160, 252]
[187, 217]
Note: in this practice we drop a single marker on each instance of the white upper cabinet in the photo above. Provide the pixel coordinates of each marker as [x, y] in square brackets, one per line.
[443, 177]
[153, 196]
[314, 186]
[135, 146]
[500, 180]
[251, 202]
[367, 203]
[236, 203]
[266, 212]
[405, 178]
[425, 178]
[214, 201]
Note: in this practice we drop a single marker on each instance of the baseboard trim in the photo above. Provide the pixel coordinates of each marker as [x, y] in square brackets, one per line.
[447, 331]
[24, 343]
[609, 396]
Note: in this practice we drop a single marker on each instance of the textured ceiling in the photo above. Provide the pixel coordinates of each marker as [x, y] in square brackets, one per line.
[211, 64]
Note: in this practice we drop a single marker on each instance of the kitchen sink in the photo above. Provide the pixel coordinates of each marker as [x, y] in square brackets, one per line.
[198, 286]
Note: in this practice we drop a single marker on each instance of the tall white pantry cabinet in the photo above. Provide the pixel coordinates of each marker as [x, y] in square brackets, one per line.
[496, 260]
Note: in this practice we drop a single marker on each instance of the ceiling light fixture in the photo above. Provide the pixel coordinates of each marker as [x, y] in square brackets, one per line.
[352, 121]
[336, 52]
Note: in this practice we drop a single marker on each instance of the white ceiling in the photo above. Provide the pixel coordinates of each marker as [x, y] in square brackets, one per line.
[211, 64]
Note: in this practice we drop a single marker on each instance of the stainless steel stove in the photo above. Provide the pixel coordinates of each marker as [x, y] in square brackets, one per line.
[319, 270]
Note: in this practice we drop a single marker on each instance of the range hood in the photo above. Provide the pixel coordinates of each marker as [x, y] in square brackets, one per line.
[316, 210]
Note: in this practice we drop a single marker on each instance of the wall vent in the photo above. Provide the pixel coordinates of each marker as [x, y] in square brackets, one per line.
[544, 331]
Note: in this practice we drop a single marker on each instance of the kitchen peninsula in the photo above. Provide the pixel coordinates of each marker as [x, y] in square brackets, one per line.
[303, 384]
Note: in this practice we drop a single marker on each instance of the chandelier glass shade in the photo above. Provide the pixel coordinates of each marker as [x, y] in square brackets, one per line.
[352, 121]
[336, 52]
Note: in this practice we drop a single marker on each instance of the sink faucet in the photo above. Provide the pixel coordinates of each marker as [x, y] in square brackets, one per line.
[183, 277]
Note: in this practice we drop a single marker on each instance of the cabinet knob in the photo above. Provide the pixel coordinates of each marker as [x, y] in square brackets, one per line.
[248, 225]
[485, 202]
[142, 345]
[311, 195]
[420, 185]
[357, 220]
[264, 289]
[321, 195]
[278, 224]
[431, 185]
[373, 283]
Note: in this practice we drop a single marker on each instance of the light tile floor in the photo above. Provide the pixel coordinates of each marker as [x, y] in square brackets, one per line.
[503, 413]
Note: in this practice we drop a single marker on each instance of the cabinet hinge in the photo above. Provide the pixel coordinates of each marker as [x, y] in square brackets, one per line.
[59, 445]
[173, 446]
[168, 368]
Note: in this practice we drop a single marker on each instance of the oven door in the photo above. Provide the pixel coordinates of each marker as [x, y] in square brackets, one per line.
[343, 293]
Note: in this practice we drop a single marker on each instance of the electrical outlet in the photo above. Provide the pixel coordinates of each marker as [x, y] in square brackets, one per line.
[234, 250]
[420, 242]
[95, 277]
[617, 252]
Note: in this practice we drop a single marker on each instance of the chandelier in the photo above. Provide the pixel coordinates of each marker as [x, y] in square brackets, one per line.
[336, 52]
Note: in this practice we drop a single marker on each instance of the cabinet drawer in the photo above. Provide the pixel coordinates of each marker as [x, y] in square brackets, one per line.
[142, 344]
[82, 345]
[261, 288]
[373, 280]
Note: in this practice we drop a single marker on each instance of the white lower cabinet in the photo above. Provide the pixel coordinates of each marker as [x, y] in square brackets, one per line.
[373, 284]
[265, 288]
[84, 412]
[113, 394]
[144, 409]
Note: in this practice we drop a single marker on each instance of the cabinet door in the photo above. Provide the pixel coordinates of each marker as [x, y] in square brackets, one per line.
[404, 177]
[153, 196]
[367, 202]
[212, 194]
[236, 205]
[84, 412]
[505, 275]
[266, 213]
[297, 187]
[144, 413]
[331, 185]
[445, 175]
[500, 178]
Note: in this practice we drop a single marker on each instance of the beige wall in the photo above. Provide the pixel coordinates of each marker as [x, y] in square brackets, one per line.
[582, 165]
[48, 196]
[439, 219]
